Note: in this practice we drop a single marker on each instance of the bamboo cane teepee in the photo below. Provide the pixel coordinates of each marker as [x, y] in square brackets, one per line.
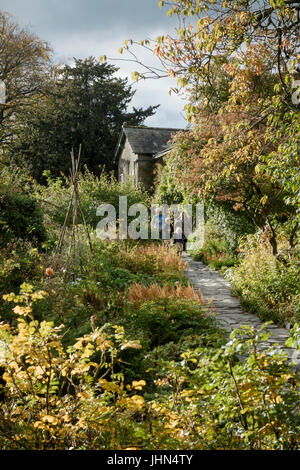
[74, 204]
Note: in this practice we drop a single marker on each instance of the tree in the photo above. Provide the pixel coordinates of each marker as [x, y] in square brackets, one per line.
[237, 60]
[24, 70]
[87, 105]
[212, 32]
[283, 165]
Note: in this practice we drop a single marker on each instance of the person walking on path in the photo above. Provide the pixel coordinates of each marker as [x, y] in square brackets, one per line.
[158, 223]
[179, 235]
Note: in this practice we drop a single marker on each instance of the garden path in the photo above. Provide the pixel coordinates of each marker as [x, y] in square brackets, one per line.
[229, 312]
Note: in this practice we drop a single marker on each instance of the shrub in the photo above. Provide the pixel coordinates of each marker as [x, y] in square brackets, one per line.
[93, 190]
[165, 320]
[21, 218]
[18, 261]
[165, 381]
[222, 403]
[151, 259]
[55, 398]
[266, 285]
[229, 224]
[139, 293]
[216, 251]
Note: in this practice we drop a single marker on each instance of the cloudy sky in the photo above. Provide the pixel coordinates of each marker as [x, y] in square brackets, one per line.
[83, 28]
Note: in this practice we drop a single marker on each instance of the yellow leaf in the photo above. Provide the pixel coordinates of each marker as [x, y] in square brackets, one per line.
[132, 345]
[22, 310]
[138, 401]
[8, 297]
[50, 419]
[171, 73]
[7, 377]
[138, 385]
[67, 418]
[257, 169]
[187, 393]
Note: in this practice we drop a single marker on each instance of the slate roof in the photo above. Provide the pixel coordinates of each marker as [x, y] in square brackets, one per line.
[145, 140]
[163, 152]
[148, 140]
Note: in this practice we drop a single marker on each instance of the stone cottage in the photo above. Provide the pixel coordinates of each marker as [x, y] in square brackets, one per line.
[138, 151]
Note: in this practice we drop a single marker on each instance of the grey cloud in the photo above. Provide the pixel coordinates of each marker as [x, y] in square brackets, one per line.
[52, 16]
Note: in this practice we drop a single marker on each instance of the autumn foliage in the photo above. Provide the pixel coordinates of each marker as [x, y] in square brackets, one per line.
[139, 293]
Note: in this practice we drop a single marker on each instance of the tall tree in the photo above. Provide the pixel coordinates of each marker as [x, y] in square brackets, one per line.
[24, 70]
[87, 105]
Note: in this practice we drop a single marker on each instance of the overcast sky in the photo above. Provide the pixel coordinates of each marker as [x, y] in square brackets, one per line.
[83, 28]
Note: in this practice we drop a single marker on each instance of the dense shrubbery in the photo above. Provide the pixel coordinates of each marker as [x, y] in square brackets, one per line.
[222, 403]
[18, 261]
[231, 226]
[217, 252]
[213, 255]
[195, 394]
[97, 286]
[149, 259]
[27, 208]
[267, 286]
[93, 190]
[61, 389]
[139, 362]
[21, 216]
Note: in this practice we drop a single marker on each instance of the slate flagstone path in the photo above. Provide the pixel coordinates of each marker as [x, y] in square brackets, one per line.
[229, 312]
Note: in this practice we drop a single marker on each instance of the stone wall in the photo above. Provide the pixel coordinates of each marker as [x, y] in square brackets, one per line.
[138, 168]
[126, 163]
